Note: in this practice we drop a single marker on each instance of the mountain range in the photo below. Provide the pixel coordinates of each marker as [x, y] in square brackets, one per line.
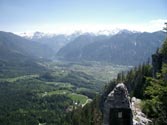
[12, 46]
[53, 41]
[123, 48]
[19, 56]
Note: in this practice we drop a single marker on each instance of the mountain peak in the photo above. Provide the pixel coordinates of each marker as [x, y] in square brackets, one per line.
[39, 34]
[125, 31]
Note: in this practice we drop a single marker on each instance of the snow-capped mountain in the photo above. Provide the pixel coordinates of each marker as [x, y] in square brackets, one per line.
[39, 35]
[53, 41]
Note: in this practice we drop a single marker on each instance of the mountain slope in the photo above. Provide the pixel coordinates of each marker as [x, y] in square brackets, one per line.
[12, 46]
[19, 56]
[53, 41]
[125, 48]
[75, 49]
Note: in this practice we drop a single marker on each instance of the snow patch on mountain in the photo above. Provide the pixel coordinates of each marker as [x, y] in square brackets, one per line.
[39, 35]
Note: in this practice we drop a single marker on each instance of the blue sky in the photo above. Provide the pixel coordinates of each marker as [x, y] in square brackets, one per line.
[91, 15]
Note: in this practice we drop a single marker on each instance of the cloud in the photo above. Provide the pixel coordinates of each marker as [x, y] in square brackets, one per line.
[151, 26]
[157, 24]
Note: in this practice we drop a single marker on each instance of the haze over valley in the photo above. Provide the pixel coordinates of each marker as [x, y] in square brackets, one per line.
[59, 60]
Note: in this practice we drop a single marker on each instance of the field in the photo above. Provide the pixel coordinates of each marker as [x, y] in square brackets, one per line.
[101, 71]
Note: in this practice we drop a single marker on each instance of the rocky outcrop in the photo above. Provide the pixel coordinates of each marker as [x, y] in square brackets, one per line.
[117, 107]
[123, 112]
[139, 118]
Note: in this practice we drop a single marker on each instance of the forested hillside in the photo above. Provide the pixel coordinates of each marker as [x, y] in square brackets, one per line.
[142, 82]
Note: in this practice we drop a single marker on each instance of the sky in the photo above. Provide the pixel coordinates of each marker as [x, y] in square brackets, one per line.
[66, 16]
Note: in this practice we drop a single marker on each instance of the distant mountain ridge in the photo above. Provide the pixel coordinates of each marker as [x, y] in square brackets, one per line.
[19, 56]
[124, 48]
[57, 41]
[53, 41]
[12, 45]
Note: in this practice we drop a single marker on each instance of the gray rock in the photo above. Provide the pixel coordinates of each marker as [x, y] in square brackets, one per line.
[139, 118]
[118, 107]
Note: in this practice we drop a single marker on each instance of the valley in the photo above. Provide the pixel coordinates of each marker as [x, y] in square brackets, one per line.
[42, 84]
[83, 62]
[59, 89]
[71, 76]
[101, 71]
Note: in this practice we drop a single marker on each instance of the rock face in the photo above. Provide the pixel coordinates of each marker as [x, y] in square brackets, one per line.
[139, 118]
[117, 107]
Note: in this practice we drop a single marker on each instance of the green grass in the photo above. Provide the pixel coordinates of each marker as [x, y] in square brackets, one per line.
[61, 84]
[64, 92]
[77, 98]
[81, 99]
[82, 89]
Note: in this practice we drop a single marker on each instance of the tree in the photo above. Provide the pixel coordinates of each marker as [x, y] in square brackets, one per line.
[165, 28]
[155, 105]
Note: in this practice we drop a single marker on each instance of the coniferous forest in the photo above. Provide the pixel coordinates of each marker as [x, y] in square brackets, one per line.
[147, 82]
